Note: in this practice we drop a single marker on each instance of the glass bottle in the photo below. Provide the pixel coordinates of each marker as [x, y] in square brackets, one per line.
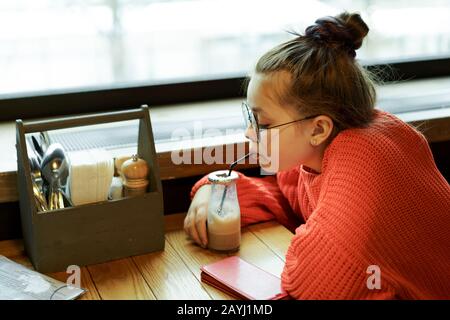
[224, 215]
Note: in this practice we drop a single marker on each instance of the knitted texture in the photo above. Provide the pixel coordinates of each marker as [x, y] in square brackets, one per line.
[379, 201]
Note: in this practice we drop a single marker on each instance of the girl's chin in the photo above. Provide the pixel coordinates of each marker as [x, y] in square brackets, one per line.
[268, 166]
[268, 171]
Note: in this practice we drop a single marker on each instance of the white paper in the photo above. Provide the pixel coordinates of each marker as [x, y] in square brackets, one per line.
[20, 283]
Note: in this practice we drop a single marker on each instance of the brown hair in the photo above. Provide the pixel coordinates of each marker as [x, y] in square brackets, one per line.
[325, 77]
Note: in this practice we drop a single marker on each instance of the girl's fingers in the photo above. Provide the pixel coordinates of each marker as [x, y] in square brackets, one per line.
[192, 229]
[200, 223]
[194, 234]
[195, 222]
[187, 220]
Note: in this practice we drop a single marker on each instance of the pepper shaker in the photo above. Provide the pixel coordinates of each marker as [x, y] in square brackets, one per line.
[135, 172]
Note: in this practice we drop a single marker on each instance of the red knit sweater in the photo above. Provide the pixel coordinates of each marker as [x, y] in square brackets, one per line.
[379, 200]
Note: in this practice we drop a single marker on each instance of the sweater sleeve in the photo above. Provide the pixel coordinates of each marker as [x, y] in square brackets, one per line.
[260, 199]
[317, 268]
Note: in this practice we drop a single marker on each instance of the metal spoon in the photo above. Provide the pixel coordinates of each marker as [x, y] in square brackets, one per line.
[55, 171]
[38, 148]
[45, 140]
[37, 182]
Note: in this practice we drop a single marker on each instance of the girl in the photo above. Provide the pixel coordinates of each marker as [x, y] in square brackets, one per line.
[358, 187]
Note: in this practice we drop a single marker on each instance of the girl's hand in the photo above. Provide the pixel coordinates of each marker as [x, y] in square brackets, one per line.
[195, 221]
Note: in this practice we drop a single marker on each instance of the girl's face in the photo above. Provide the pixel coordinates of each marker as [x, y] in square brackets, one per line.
[289, 145]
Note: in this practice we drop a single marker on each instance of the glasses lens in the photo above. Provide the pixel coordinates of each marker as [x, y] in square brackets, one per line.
[246, 115]
[249, 119]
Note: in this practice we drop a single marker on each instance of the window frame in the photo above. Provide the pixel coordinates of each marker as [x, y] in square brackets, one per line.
[120, 97]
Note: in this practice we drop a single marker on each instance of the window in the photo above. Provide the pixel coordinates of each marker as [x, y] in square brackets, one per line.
[63, 44]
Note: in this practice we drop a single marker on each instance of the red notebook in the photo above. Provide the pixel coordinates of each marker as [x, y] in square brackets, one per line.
[243, 280]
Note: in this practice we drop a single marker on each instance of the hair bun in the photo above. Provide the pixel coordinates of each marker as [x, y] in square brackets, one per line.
[356, 26]
[347, 29]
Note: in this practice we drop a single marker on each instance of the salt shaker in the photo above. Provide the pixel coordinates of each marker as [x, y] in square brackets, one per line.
[224, 216]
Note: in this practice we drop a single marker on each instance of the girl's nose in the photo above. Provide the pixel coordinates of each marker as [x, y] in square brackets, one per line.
[250, 134]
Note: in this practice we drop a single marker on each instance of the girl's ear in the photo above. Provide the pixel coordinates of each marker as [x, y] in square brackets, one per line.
[322, 129]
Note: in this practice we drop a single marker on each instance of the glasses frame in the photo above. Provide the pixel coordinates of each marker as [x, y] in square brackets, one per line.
[254, 118]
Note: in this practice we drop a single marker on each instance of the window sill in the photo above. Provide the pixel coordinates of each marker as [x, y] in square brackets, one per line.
[436, 129]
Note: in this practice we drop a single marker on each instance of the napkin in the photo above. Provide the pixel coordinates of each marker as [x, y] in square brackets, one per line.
[90, 176]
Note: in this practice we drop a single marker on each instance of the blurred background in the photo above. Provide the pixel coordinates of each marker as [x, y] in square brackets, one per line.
[61, 44]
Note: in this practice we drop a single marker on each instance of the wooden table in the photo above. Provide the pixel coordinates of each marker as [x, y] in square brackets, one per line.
[175, 272]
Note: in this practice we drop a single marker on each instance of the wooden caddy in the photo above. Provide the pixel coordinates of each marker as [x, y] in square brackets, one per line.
[97, 232]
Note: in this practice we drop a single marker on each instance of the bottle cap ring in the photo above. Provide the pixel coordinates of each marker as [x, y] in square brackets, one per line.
[222, 177]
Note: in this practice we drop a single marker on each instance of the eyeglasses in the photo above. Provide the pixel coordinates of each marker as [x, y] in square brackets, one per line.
[251, 121]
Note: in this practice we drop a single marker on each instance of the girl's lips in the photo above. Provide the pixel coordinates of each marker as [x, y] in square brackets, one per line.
[254, 156]
[262, 159]
[259, 157]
